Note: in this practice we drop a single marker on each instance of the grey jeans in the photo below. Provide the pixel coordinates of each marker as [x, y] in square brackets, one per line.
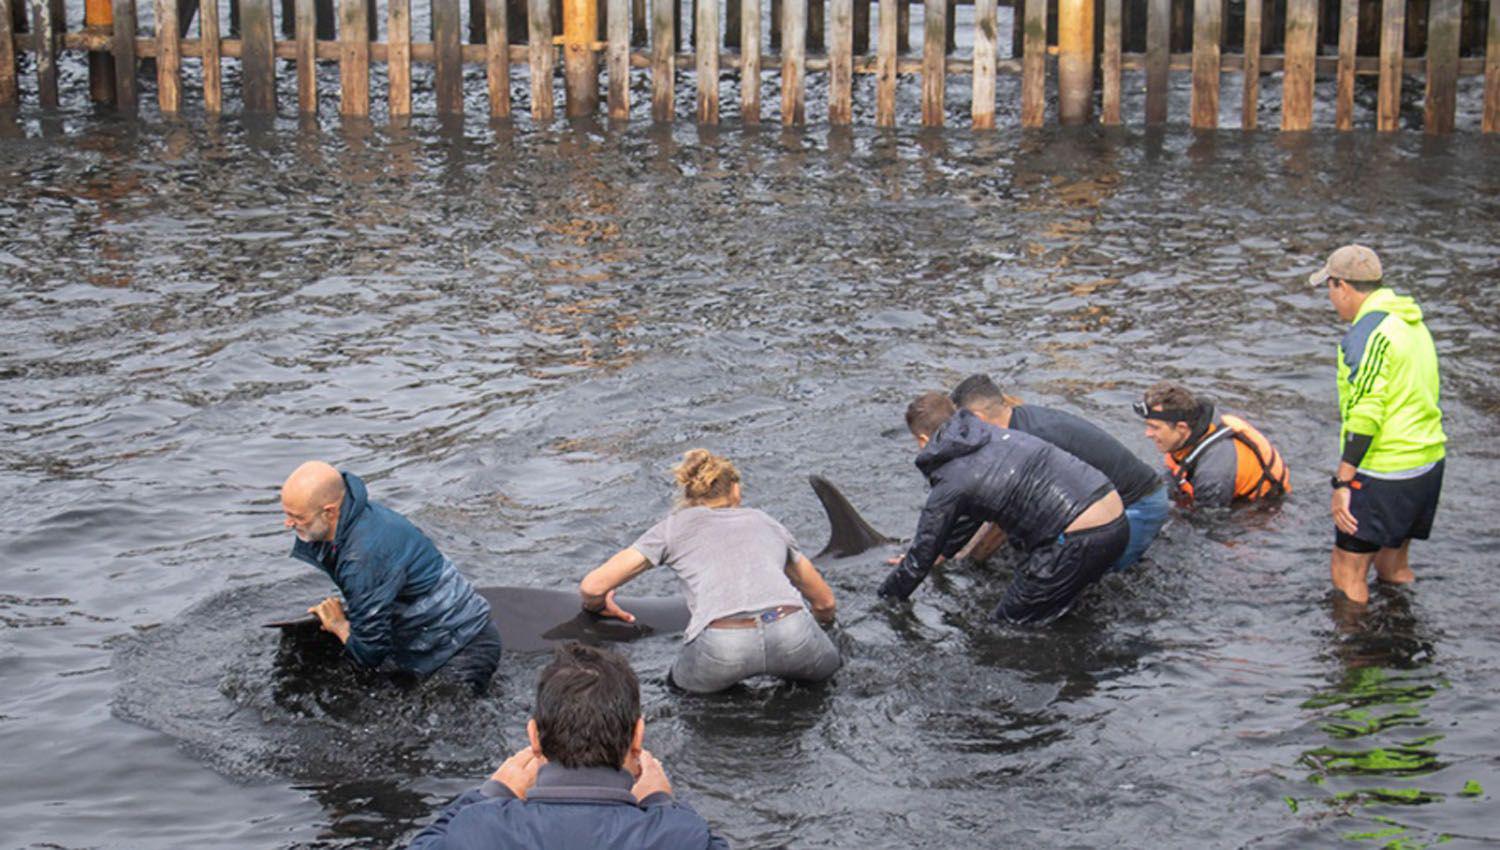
[793, 647]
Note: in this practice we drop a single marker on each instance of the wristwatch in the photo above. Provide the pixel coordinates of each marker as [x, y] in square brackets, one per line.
[1336, 482]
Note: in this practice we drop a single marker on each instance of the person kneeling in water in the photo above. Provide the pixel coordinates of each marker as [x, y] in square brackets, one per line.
[744, 579]
[1050, 504]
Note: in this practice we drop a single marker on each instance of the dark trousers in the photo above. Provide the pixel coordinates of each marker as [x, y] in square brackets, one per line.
[475, 664]
[1050, 581]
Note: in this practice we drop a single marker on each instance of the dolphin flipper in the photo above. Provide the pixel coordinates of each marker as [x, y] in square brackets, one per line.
[848, 534]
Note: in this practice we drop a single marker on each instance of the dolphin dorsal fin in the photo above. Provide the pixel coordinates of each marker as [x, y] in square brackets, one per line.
[848, 534]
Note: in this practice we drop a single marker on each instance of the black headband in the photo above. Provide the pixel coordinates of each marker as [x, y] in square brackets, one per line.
[1145, 412]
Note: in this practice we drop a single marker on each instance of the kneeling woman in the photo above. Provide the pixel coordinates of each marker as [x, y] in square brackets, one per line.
[744, 579]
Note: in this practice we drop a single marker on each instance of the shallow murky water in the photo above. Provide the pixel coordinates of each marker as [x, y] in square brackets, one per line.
[512, 335]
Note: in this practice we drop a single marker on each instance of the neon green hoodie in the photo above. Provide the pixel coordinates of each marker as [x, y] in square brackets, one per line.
[1388, 384]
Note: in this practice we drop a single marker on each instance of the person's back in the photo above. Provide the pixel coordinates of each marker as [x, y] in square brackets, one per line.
[1082, 439]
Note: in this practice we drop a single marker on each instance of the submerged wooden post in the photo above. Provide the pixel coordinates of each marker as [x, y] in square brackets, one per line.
[10, 94]
[1443, 30]
[124, 15]
[539, 43]
[793, 62]
[706, 52]
[1158, 48]
[1491, 121]
[447, 47]
[354, 59]
[580, 62]
[750, 61]
[1207, 29]
[44, 31]
[934, 59]
[213, 69]
[1392, 49]
[1075, 60]
[1113, 45]
[98, 17]
[1301, 64]
[398, 57]
[662, 60]
[885, 65]
[257, 57]
[841, 62]
[982, 112]
[1343, 118]
[306, 34]
[1250, 102]
[1034, 64]
[168, 57]
[618, 59]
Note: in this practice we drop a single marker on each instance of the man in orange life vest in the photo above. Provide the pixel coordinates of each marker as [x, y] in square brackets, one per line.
[1212, 461]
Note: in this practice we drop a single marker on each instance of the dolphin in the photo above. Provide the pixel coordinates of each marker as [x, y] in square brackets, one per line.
[534, 619]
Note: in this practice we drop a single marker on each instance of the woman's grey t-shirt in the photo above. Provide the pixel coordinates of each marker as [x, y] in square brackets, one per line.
[730, 560]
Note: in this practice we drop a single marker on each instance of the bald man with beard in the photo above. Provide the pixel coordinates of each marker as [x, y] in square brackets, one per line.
[405, 607]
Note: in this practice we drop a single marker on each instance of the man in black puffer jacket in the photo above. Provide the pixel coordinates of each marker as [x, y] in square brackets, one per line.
[1059, 509]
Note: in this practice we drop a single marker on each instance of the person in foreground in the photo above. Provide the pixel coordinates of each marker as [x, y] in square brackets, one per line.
[405, 607]
[584, 781]
[1212, 461]
[1139, 486]
[744, 579]
[1050, 504]
[1390, 474]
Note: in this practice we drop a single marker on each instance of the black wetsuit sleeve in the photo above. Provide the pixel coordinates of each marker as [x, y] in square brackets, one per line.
[939, 516]
[1355, 447]
[1082, 439]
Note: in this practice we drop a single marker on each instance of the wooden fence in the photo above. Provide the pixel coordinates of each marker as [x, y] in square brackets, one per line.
[1438, 40]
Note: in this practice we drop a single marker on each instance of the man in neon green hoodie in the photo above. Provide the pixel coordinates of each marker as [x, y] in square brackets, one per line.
[1390, 474]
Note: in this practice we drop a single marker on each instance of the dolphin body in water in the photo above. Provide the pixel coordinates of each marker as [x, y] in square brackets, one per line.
[534, 619]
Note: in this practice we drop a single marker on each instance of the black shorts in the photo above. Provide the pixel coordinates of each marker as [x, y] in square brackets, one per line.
[1391, 511]
[1048, 583]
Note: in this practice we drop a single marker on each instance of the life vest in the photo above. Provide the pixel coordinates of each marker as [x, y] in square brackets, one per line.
[1260, 472]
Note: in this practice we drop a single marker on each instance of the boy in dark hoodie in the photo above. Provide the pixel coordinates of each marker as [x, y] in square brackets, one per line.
[1050, 504]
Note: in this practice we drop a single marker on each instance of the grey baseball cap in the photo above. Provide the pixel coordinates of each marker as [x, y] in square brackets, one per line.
[1351, 262]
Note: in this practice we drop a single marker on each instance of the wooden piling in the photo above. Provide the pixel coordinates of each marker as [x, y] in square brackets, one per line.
[398, 58]
[1443, 32]
[793, 62]
[750, 41]
[706, 50]
[168, 57]
[210, 47]
[540, 54]
[1158, 49]
[841, 62]
[98, 16]
[1250, 97]
[617, 59]
[257, 55]
[1075, 61]
[580, 62]
[306, 33]
[982, 112]
[885, 64]
[44, 33]
[447, 44]
[638, 30]
[1491, 120]
[354, 61]
[662, 60]
[10, 93]
[1301, 66]
[1343, 118]
[934, 59]
[1034, 64]
[497, 55]
[124, 47]
[1207, 30]
[1392, 47]
[1110, 61]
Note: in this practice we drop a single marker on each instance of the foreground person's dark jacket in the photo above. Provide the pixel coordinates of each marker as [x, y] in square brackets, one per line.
[586, 808]
[405, 602]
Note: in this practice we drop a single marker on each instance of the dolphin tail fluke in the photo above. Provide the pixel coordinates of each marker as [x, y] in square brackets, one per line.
[849, 534]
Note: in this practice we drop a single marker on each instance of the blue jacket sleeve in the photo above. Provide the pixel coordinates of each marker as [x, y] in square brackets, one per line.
[370, 588]
[435, 836]
[939, 516]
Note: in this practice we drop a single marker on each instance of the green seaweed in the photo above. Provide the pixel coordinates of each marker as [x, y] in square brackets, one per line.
[1399, 796]
[1291, 803]
[1367, 685]
[1388, 832]
[1358, 722]
[1407, 759]
[1472, 789]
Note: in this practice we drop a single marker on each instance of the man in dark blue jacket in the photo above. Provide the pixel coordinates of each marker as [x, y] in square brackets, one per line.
[1055, 507]
[584, 782]
[405, 606]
